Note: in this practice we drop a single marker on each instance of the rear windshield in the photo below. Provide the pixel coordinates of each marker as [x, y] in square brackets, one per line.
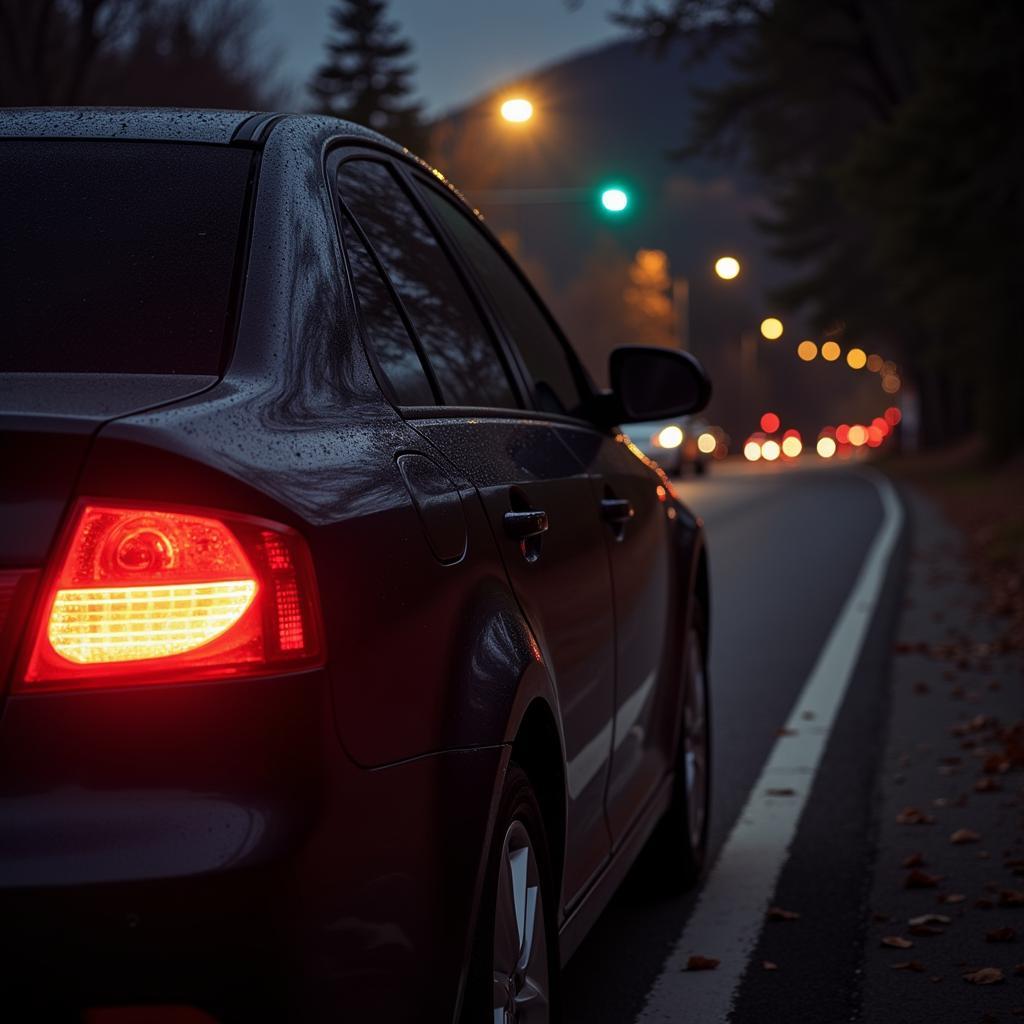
[117, 257]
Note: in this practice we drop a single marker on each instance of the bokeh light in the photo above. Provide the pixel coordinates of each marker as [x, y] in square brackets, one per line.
[771, 328]
[826, 447]
[770, 450]
[891, 383]
[893, 415]
[858, 435]
[670, 436]
[875, 363]
[769, 423]
[614, 199]
[706, 443]
[792, 446]
[830, 351]
[517, 110]
[807, 350]
[727, 267]
[843, 433]
[752, 451]
[856, 358]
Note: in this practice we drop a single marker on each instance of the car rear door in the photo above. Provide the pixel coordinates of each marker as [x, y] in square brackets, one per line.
[627, 499]
[537, 497]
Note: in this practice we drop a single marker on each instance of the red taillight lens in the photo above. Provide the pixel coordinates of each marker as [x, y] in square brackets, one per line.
[143, 595]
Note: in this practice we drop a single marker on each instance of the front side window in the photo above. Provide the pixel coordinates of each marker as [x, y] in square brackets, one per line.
[554, 384]
[457, 343]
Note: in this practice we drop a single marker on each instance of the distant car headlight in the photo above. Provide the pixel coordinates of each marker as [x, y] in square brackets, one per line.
[706, 443]
[669, 437]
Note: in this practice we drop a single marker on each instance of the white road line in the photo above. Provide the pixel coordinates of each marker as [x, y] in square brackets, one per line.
[729, 915]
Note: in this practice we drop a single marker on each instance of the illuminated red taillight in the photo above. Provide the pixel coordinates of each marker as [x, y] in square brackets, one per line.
[142, 595]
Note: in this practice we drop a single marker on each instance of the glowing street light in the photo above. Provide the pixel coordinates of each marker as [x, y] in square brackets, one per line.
[517, 110]
[830, 351]
[856, 358]
[807, 350]
[771, 328]
[826, 447]
[615, 200]
[727, 267]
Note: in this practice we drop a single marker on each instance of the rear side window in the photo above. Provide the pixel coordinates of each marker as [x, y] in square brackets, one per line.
[385, 330]
[456, 342]
[554, 384]
[118, 257]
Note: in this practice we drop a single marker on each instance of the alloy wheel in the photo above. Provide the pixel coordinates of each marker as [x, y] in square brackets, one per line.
[520, 975]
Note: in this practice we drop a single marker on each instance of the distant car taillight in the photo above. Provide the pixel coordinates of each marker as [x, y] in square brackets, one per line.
[148, 595]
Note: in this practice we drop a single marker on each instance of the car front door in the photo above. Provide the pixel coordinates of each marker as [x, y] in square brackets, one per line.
[538, 498]
[629, 501]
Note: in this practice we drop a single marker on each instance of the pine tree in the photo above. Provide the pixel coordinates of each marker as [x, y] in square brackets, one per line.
[366, 77]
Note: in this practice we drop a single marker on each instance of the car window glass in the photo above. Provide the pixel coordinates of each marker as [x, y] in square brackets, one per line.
[455, 340]
[385, 330]
[554, 384]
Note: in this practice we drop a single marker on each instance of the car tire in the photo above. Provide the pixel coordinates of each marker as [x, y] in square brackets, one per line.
[515, 963]
[677, 850]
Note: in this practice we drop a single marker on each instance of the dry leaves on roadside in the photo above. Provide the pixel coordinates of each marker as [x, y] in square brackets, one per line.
[914, 816]
[778, 914]
[769, 965]
[987, 784]
[896, 942]
[1011, 897]
[952, 897]
[964, 835]
[913, 860]
[984, 976]
[908, 965]
[929, 919]
[1005, 934]
[702, 963]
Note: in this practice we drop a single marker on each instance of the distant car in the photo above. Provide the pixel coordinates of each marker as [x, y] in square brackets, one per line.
[672, 443]
[350, 654]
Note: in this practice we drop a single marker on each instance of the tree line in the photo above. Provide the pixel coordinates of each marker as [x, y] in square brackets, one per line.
[889, 135]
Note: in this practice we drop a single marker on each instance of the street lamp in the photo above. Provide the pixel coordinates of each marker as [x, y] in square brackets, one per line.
[517, 110]
[771, 328]
[727, 267]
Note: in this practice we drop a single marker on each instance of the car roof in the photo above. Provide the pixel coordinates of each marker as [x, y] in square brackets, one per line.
[165, 124]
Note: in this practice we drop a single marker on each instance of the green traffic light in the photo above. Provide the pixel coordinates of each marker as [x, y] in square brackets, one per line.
[614, 200]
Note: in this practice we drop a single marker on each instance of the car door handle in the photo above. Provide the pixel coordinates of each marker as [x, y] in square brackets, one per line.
[524, 525]
[617, 511]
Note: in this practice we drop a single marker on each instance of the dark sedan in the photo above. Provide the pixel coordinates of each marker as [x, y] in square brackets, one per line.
[351, 654]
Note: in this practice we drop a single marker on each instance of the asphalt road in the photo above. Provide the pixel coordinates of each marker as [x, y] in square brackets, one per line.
[787, 546]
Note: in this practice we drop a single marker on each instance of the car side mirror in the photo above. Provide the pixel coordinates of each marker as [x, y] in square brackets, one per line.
[650, 383]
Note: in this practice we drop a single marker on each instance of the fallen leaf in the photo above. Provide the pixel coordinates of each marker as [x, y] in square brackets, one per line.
[781, 792]
[925, 929]
[769, 965]
[964, 835]
[702, 963]
[778, 914]
[913, 860]
[918, 879]
[984, 976]
[913, 816]
[925, 919]
[952, 897]
[1011, 897]
[987, 784]
[1018, 969]
[909, 965]
[896, 942]
[1005, 934]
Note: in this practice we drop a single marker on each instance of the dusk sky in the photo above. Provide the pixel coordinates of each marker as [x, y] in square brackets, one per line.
[462, 48]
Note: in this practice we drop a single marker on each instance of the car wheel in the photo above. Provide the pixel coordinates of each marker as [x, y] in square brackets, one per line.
[514, 964]
[678, 848]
